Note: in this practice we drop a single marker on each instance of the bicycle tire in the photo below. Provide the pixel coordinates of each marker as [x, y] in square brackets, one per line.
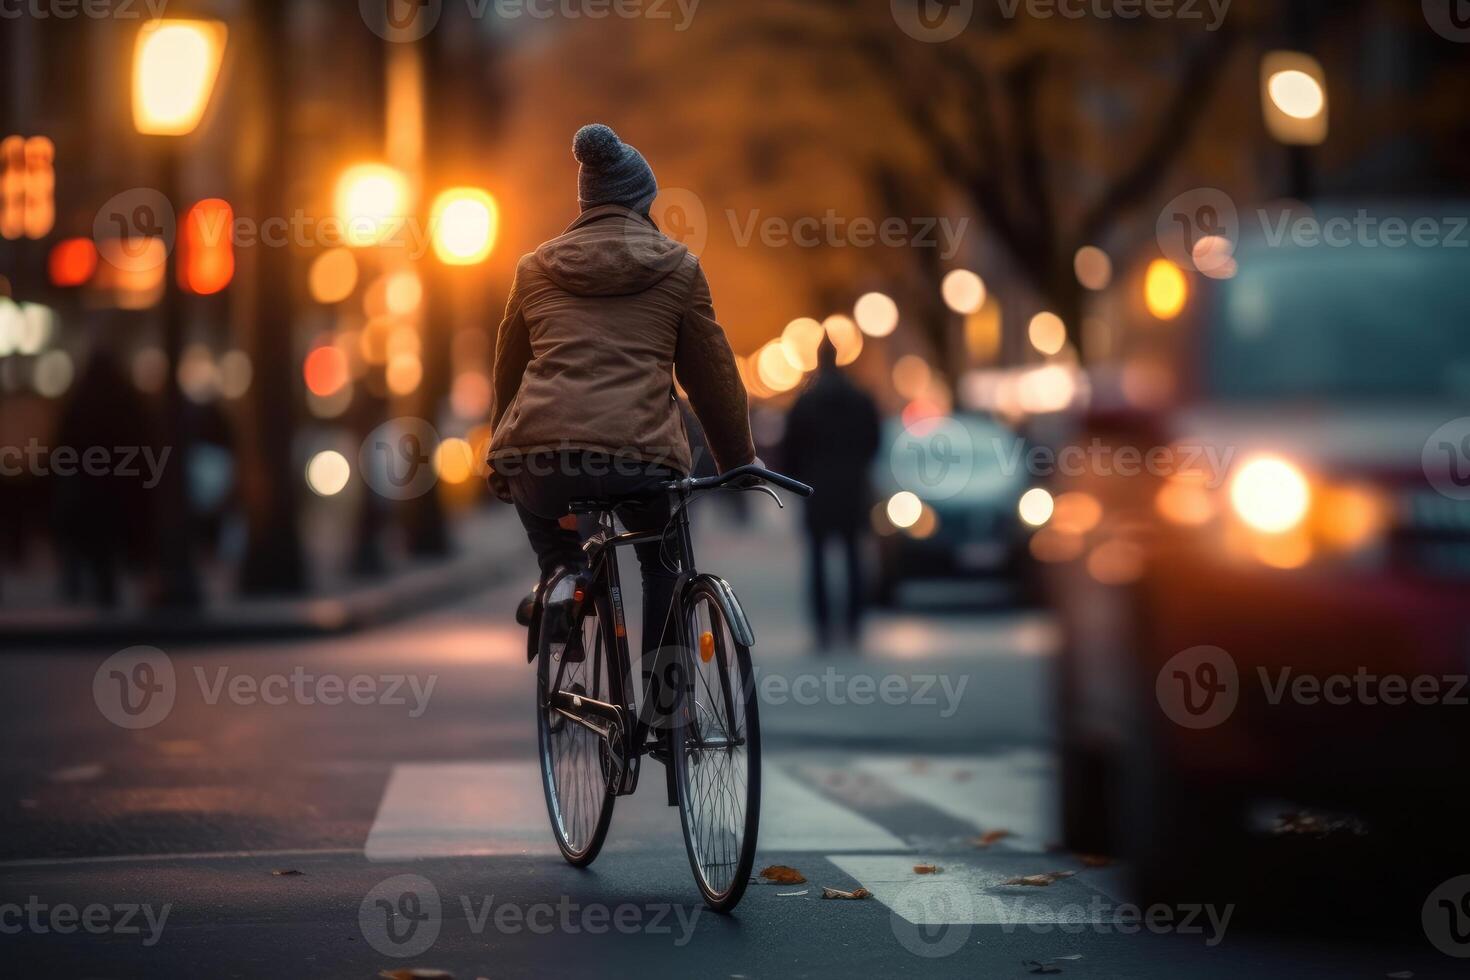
[721, 706]
[580, 812]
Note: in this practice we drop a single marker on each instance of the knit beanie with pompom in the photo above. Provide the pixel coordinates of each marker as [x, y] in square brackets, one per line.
[612, 172]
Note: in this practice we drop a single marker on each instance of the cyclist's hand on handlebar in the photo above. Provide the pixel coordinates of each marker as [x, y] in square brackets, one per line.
[750, 480]
[499, 486]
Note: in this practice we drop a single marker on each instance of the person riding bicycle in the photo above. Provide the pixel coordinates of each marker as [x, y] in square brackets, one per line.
[599, 323]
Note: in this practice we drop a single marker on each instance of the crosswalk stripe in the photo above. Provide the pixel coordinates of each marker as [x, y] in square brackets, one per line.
[1012, 792]
[795, 817]
[445, 809]
[497, 808]
[974, 894]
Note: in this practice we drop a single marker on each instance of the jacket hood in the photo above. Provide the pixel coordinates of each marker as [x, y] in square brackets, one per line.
[610, 251]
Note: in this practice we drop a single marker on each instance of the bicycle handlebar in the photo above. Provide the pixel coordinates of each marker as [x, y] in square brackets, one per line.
[740, 472]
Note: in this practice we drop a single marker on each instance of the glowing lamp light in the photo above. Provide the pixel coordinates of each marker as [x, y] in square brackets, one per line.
[1296, 93]
[371, 201]
[1294, 97]
[1165, 290]
[175, 65]
[1270, 494]
[464, 221]
[72, 262]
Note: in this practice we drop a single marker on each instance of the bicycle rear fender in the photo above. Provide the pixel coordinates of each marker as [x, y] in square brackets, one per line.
[729, 605]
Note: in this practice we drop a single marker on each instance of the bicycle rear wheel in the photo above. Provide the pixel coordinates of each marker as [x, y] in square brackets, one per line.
[717, 754]
[574, 759]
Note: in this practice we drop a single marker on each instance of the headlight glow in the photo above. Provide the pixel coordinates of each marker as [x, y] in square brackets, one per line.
[1270, 494]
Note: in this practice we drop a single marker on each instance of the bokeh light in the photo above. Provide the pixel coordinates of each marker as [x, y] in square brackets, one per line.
[1093, 267]
[1036, 506]
[372, 202]
[963, 291]
[1047, 333]
[1165, 290]
[333, 276]
[464, 222]
[327, 473]
[876, 314]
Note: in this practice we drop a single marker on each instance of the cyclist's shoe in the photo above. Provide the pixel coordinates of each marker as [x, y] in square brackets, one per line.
[526, 608]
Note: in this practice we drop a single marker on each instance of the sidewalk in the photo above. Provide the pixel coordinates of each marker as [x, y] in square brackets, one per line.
[489, 546]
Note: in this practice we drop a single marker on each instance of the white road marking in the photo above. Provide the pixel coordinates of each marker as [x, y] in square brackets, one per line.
[1013, 792]
[797, 818]
[498, 808]
[444, 809]
[973, 893]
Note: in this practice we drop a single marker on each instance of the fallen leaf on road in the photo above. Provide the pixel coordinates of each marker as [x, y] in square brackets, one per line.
[285, 872]
[1037, 966]
[1094, 860]
[780, 874]
[856, 893]
[1041, 880]
[990, 837]
[927, 869]
[792, 894]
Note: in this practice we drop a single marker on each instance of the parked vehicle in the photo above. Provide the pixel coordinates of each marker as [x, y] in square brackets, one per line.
[1276, 609]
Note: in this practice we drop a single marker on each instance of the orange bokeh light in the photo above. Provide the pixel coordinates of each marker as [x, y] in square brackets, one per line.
[73, 262]
[326, 370]
[207, 247]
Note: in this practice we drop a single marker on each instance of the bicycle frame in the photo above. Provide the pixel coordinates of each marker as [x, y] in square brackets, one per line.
[622, 728]
[617, 721]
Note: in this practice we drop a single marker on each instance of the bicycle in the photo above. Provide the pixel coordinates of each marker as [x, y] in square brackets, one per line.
[698, 717]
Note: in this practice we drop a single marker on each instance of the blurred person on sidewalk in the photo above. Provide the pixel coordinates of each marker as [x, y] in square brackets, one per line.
[832, 435]
[101, 516]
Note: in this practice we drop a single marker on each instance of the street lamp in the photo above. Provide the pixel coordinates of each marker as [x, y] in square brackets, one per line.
[175, 66]
[1294, 105]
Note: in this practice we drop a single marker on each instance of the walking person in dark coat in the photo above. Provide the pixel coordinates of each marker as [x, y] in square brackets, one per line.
[831, 439]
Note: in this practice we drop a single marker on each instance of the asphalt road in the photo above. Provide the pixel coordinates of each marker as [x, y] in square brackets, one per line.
[369, 803]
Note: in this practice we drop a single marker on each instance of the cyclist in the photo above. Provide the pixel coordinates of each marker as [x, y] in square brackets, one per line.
[599, 323]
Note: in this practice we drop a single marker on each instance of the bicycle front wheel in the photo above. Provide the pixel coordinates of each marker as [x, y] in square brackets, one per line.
[575, 765]
[717, 754]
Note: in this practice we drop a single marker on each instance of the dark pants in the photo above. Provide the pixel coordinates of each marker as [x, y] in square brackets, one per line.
[817, 570]
[545, 483]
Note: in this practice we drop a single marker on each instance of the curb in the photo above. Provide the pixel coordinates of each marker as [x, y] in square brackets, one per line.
[409, 593]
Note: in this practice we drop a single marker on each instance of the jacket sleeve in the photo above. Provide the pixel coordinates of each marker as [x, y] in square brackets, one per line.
[512, 354]
[706, 369]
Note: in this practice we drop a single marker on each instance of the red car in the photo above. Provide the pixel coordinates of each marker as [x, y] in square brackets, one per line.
[1263, 580]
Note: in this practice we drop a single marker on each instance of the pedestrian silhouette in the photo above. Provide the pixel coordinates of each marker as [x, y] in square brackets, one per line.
[831, 438]
[101, 515]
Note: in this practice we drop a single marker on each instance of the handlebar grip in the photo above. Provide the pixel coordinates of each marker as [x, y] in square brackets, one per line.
[750, 469]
